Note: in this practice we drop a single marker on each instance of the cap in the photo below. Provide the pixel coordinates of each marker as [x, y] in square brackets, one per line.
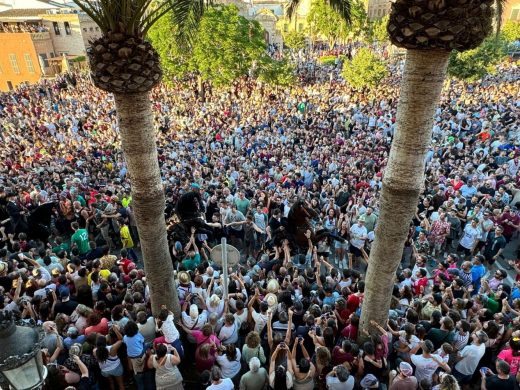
[368, 381]
[406, 369]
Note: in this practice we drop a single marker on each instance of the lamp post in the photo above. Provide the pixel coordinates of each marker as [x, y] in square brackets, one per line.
[21, 365]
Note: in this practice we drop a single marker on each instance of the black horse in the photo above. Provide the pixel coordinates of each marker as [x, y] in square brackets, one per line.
[188, 214]
[36, 224]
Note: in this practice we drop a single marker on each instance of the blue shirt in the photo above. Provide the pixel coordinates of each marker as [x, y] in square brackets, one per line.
[134, 345]
[477, 272]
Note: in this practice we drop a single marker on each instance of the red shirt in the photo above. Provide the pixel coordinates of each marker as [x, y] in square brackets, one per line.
[418, 283]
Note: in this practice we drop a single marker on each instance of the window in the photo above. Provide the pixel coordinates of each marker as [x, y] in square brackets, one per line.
[514, 13]
[28, 62]
[44, 63]
[285, 27]
[14, 63]
[56, 28]
[68, 31]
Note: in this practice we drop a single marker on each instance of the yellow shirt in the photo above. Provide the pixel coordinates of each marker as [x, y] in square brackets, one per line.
[126, 238]
[104, 273]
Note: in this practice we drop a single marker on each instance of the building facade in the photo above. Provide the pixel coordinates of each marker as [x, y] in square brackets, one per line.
[46, 37]
[376, 9]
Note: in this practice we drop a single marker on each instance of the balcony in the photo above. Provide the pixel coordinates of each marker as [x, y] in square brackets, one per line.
[40, 36]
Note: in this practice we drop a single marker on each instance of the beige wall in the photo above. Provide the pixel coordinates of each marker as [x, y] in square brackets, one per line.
[64, 43]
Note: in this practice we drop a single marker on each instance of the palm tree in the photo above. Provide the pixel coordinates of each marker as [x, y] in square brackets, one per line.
[123, 63]
[341, 6]
[430, 30]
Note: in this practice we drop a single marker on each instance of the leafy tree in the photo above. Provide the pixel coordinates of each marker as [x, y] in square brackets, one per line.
[294, 40]
[476, 63]
[511, 30]
[224, 47]
[326, 21]
[276, 73]
[365, 69]
[378, 31]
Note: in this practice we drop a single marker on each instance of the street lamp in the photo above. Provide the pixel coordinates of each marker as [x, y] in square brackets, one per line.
[21, 364]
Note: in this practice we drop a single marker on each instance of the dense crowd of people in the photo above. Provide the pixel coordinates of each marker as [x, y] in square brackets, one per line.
[70, 259]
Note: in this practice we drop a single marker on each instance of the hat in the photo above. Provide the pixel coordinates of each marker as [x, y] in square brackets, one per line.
[273, 286]
[368, 381]
[3, 266]
[195, 185]
[64, 292]
[272, 300]
[362, 218]
[184, 277]
[406, 369]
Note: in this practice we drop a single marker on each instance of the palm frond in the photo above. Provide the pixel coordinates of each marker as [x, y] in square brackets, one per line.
[343, 7]
[130, 17]
[186, 15]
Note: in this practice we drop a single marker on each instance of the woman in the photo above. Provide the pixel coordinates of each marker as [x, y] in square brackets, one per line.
[97, 324]
[108, 360]
[447, 382]
[371, 364]
[228, 359]
[167, 375]
[252, 348]
[323, 366]
[342, 247]
[218, 382]
[305, 371]
[228, 334]
[205, 356]
[80, 317]
[280, 378]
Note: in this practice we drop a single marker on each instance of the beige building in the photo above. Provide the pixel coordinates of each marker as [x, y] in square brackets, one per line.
[376, 9]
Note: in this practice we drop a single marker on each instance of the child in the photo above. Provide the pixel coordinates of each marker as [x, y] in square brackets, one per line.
[126, 239]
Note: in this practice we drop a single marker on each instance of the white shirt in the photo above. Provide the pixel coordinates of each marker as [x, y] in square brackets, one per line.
[470, 236]
[471, 355]
[424, 367]
[229, 369]
[196, 323]
[169, 330]
[260, 321]
[357, 232]
[226, 384]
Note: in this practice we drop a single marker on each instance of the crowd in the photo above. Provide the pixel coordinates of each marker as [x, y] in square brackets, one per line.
[290, 318]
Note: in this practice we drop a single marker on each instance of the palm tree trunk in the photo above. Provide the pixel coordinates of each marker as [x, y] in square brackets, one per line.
[140, 150]
[403, 179]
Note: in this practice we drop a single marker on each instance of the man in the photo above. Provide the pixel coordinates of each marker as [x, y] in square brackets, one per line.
[499, 381]
[403, 378]
[339, 379]
[232, 219]
[358, 237]
[255, 378]
[80, 239]
[242, 203]
[370, 219]
[192, 259]
[427, 363]
[66, 305]
[495, 245]
[469, 358]
[470, 237]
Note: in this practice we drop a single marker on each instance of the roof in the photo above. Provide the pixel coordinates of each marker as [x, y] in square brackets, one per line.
[23, 13]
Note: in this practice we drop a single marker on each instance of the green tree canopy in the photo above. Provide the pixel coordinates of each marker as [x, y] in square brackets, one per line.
[294, 40]
[378, 31]
[365, 69]
[276, 73]
[474, 64]
[511, 30]
[224, 47]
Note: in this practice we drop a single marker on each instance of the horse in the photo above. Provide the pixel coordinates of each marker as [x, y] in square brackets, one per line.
[298, 222]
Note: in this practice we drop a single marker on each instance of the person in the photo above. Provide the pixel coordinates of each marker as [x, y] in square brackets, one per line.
[80, 239]
[165, 362]
[403, 378]
[228, 359]
[469, 357]
[502, 380]
[428, 362]
[109, 363]
[255, 378]
[340, 379]
[135, 349]
[218, 382]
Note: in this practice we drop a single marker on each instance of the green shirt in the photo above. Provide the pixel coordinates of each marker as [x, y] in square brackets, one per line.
[190, 263]
[242, 205]
[81, 200]
[62, 247]
[80, 239]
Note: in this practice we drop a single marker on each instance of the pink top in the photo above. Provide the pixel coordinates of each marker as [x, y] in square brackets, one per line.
[513, 361]
[201, 339]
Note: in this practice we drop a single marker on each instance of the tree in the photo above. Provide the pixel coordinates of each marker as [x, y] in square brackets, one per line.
[378, 31]
[294, 40]
[474, 64]
[511, 30]
[124, 63]
[276, 73]
[365, 69]
[223, 48]
[429, 31]
[327, 21]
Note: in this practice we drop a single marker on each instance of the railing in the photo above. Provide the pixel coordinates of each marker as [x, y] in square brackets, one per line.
[40, 36]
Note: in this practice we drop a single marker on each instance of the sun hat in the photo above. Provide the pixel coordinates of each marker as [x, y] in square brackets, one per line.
[272, 300]
[184, 277]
